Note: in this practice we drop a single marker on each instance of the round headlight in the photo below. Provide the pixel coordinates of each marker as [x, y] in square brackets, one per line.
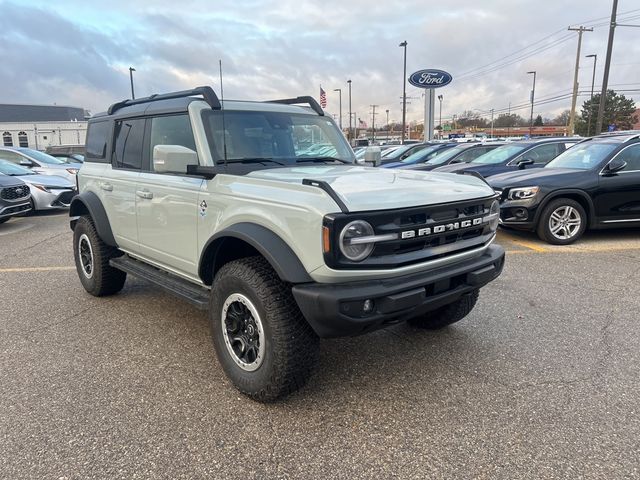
[350, 247]
[494, 215]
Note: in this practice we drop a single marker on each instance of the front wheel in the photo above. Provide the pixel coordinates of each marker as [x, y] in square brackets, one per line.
[262, 341]
[452, 313]
[562, 222]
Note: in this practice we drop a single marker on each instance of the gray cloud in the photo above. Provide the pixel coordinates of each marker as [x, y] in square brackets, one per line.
[77, 54]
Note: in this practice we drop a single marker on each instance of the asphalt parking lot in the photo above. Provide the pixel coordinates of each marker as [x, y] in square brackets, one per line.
[540, 381]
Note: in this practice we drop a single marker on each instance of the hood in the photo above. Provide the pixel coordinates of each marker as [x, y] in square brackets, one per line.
[364, 188]
[9, 181]
[457, 167]
[521, 178]
[47, 180]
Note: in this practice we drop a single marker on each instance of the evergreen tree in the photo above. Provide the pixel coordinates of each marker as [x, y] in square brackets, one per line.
[618, 111]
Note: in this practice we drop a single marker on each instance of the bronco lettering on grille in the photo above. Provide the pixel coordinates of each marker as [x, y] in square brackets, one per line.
[422, 232]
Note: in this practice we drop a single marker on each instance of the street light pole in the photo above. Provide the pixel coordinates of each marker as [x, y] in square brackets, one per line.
[131, 70]
[339, 90]
[440, 97]
[492, 123]
[533, 95]
[404, 90]
[593, 79]
[350, 134]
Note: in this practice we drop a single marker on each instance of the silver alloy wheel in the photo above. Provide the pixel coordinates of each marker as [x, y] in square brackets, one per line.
[242, 332]
[85, 255]
[565, 222]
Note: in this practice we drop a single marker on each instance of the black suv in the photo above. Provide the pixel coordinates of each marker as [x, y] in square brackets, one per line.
[595, 184]
[514, 156]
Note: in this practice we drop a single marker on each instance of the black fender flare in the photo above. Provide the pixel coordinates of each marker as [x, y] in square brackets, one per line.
[89, 202]
[273, 248]
[591, 212]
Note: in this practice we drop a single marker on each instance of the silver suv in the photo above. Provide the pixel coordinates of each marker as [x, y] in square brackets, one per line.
[257, 212]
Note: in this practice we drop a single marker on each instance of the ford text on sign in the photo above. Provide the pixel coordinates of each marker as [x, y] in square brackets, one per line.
[430, 78]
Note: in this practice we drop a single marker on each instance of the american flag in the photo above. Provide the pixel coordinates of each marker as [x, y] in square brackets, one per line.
[323, 98]
[362, 123]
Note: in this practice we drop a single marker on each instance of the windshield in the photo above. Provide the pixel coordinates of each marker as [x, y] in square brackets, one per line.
[275, 137]
[41, 157]
[422, 155]
[12, 169]
[446, 155]
[500, 154]
[583, 156]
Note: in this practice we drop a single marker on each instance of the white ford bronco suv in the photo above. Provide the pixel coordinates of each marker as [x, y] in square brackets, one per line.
[258, 212]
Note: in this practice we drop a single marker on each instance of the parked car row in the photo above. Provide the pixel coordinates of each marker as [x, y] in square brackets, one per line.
[33, 180]
[557, 187]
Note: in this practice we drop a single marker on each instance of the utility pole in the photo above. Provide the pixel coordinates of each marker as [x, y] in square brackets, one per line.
[387, 110]
[404, 90]
[131, 70]
[574, 97]
[509, 121]
[593, 80]
[533, 94]
[339, 90]
[350, 134]
[607, 64]
[373, 123]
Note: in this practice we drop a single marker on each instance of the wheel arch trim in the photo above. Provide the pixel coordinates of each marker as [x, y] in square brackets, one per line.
[271, 246]
[89, 202]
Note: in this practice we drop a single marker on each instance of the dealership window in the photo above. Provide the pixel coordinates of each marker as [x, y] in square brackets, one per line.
[7, 139]
[23, 141]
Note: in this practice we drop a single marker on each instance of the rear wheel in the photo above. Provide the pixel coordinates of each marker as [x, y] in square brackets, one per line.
[92, 257]
[562, 222]
[264, 344]
[452, 313]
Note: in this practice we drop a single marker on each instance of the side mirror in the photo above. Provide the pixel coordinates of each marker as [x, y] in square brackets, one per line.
[173, 158]
[26, 163]
[524, 162]
[373, 155]
[614, 166]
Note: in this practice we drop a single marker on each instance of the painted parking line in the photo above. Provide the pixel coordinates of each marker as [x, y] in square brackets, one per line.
[529, 245]
[35, 269]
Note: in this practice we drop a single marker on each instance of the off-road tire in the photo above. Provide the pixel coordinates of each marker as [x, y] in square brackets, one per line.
[544, 229]
[452, 313]
[291, 347]
[105, 280]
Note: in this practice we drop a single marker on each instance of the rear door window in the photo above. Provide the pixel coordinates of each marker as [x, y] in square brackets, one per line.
[128, 144]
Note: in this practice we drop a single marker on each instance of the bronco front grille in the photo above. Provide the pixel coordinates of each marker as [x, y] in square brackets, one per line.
[423, 233]
[15, 193]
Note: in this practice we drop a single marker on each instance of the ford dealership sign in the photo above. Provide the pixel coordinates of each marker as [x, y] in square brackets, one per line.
[430, 78]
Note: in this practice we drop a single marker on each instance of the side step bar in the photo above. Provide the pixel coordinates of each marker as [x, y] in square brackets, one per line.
[192, 293]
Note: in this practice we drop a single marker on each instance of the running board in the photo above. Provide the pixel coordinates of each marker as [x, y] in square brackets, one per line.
[192, 293]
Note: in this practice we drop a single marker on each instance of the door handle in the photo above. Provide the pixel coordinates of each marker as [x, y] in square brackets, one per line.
[106, 186]
[144, 194]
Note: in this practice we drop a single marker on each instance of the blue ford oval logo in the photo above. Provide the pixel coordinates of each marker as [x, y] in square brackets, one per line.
[430, 78]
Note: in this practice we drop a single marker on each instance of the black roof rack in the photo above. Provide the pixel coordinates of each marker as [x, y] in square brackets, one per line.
[207, 93]
[306, 99]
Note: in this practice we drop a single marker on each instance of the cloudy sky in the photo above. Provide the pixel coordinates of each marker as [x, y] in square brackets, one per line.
[78, 53]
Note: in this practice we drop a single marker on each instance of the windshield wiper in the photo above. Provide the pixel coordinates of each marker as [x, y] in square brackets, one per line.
[252, 160]
[321, 159]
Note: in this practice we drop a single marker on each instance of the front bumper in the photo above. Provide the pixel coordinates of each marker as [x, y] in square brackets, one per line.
[14, 209]
[335, 310]
[52, 199]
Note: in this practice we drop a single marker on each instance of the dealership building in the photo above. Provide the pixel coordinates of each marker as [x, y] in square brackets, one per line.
[41, 126]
